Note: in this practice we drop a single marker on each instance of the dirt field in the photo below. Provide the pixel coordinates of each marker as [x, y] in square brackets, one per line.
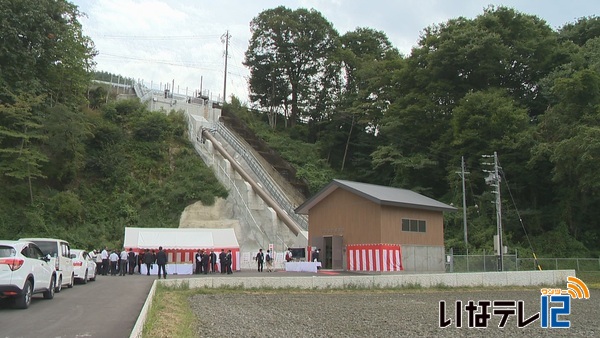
[414, 313]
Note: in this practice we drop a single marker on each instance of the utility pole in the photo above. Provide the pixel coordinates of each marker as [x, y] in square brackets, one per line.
[464, 202]
[462, 174]
[226, 40]
[494, 180]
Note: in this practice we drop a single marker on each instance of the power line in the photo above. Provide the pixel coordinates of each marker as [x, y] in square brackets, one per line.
[158, 37]
[520, 219]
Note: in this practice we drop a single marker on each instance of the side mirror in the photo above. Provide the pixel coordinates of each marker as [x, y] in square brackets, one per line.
[47, 258]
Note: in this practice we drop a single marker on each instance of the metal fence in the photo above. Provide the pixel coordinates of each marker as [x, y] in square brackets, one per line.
[263, 177]
[488, 261]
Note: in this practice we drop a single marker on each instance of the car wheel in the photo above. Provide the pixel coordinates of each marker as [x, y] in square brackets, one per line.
[24, 299]
[58, 287]
[70, 285]
[85, 278]
[49, 294]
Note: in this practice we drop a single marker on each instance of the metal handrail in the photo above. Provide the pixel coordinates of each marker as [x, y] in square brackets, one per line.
[264, 178]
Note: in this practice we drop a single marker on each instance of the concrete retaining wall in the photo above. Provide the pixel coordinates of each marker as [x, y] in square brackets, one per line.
[484, 279]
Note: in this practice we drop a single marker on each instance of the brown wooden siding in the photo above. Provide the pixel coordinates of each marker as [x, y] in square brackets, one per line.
[391, 226]
[344, 213]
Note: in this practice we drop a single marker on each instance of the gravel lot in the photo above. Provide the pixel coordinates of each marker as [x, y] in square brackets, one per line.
[374, 314]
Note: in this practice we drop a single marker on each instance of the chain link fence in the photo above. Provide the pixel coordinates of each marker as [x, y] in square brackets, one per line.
[488, 261]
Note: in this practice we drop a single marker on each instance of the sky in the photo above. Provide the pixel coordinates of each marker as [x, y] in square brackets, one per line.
[181, 42]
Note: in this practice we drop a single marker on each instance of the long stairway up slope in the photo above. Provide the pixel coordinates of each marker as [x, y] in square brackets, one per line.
[258, 208]
[299, 187]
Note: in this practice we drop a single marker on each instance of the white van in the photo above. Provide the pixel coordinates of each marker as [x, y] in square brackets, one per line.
[60, 253]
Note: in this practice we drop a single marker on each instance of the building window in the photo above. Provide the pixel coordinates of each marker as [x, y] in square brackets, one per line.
[414, 225]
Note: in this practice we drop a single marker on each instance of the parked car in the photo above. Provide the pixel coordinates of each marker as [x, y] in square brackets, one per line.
[60, 257]
[24, 271]
[84, 266]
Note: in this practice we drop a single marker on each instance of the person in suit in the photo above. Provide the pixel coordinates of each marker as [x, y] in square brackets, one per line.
[149, 260]
[205, 262]
[229, 260]
[213, 261]
[141, 261]
[223, 260]
[315, 256]
[161, 261]
[131, 261]
[260, 259]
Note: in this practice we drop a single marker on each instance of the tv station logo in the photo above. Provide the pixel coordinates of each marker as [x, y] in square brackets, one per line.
[554, 303]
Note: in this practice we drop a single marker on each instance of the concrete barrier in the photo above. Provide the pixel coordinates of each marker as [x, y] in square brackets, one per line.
[474, 279]
[138, 328]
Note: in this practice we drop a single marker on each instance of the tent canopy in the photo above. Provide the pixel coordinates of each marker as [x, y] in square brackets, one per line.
[176, 238]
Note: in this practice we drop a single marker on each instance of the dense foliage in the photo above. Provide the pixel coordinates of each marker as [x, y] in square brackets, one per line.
[501, 82]
[78, 173]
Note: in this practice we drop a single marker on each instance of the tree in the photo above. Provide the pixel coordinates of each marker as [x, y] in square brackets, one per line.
[583, 30]
[501, 48]
[568, 139]
[20, 156]
[66, 133]
[291, 57]
[43, 50]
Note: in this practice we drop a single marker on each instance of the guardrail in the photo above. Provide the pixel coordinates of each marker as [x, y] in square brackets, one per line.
[263, 177]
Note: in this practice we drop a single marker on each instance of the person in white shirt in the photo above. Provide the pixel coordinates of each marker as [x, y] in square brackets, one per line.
[104, 257]
[114, 258]
[123, 263]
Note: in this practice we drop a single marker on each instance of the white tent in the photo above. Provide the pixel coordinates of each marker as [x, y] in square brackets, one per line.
[180, 239]
[181, 244]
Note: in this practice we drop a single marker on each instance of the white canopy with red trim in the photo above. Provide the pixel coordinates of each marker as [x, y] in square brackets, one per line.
[180, 238]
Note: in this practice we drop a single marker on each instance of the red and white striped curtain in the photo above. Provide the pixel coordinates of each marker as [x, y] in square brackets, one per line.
[374, 257]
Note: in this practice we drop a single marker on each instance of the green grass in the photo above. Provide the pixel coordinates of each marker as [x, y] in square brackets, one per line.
[171, 314]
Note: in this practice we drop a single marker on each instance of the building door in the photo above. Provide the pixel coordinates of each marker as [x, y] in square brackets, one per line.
[327, 254]
[332, 253]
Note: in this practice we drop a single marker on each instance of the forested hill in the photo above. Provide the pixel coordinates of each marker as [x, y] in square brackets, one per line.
[502, 82]
[73, 166]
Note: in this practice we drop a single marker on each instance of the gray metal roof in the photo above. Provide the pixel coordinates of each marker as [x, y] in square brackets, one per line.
[378, 194]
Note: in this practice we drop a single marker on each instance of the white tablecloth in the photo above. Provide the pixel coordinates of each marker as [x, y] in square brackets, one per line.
[172, 269]
[302, 266]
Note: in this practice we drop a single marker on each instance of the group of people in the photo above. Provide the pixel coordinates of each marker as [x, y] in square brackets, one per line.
[206, 261]
[261, 258]
[124, 262]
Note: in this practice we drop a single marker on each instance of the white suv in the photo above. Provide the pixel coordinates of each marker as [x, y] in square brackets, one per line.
[60, 257]
[25, 270]
[83, 266]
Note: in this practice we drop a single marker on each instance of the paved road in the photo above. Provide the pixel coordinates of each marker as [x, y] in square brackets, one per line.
[107, 307]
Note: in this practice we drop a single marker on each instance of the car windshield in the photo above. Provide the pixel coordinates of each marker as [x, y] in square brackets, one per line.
[48, 248]
[7, 251]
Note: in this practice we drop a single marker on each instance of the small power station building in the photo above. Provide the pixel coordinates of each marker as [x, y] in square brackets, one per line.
[366, 227]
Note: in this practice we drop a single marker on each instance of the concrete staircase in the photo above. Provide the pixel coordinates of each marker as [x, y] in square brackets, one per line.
[256, 224]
